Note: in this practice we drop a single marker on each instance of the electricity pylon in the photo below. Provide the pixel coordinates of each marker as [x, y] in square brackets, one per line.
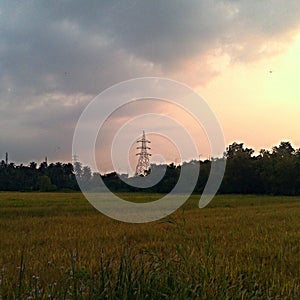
[143, 165]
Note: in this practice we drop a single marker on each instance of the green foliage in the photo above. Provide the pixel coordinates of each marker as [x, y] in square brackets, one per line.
[274, 173]
[45, 185]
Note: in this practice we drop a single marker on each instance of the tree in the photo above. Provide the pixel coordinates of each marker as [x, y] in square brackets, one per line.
[240, 175]
[86, 174]
[78, 169]
[284, 169]
[283, 150]
[33, 165]
[45, 184]
[237, 149]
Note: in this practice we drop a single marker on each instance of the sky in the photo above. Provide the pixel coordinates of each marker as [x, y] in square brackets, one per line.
[242, 57]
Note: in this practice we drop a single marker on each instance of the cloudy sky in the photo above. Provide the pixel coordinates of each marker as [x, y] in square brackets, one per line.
[55, 57]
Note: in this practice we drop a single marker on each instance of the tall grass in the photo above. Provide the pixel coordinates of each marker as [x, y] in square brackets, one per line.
[228, 251]
[189, 271]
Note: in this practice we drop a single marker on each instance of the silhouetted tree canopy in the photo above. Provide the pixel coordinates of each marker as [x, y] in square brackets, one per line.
[275, 172]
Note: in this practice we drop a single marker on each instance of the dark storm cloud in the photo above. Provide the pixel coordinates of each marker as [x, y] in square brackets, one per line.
[56, 56]
[83, 47]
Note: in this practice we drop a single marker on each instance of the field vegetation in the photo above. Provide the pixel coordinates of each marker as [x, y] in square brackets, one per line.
[57, 246]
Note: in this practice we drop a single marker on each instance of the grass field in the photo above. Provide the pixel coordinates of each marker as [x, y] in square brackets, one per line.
[57, 246]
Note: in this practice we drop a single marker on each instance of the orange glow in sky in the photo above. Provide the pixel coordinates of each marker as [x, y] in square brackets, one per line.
[259, 103]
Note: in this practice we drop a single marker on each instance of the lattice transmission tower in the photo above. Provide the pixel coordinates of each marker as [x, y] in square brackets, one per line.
[143, 165]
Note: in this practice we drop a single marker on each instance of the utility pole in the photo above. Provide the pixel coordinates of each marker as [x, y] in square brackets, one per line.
[6, 158]
[74, 159]
[143, 165]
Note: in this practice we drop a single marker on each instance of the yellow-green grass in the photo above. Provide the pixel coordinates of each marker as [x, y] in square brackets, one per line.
[239, 247]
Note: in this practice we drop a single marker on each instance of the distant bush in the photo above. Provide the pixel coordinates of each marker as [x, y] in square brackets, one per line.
[45, 185]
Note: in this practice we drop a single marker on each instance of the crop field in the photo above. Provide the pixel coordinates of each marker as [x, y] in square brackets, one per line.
[57, 246]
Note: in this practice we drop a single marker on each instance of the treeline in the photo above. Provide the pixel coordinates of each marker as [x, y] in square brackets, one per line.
[275, 172]
[44, 177]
